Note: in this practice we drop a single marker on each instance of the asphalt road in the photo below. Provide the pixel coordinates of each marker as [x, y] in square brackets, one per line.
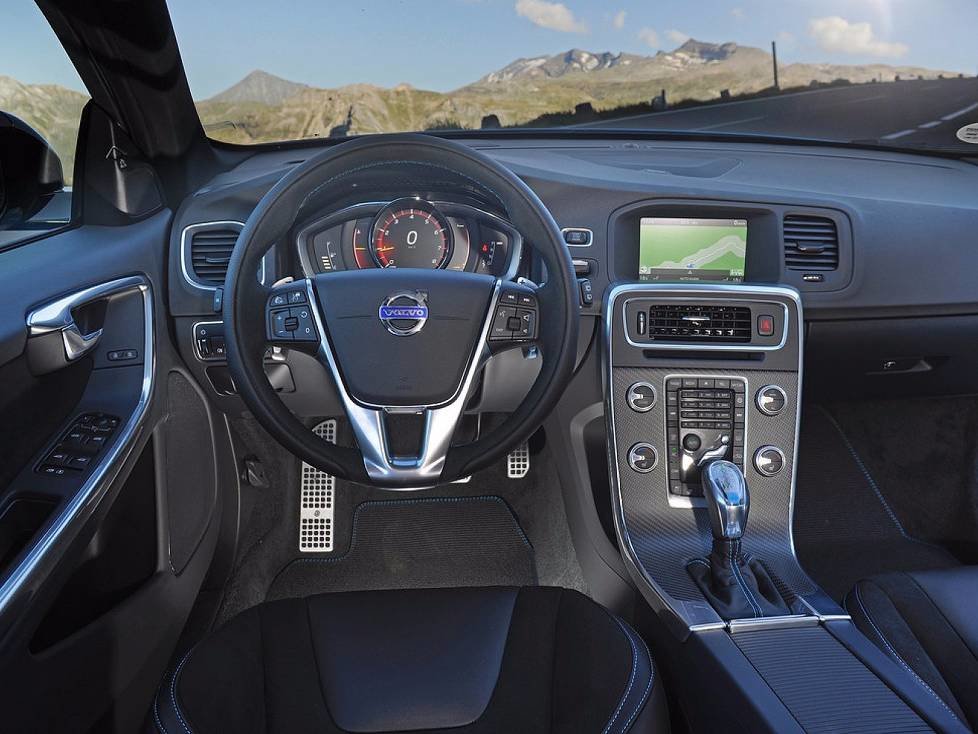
[917, 113]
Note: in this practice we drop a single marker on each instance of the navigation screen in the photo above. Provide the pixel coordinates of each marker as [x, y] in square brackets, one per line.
[672, 249]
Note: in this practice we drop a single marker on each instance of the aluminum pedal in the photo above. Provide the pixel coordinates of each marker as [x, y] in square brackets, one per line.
[518, 461]
[316, 504]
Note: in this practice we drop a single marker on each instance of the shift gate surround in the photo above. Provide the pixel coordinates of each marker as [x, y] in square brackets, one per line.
[413, 162]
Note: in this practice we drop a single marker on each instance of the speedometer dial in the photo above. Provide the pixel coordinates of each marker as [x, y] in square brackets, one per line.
[410, 233]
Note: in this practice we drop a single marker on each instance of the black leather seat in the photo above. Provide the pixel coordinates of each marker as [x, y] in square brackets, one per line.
[927, 622]
[470, 660]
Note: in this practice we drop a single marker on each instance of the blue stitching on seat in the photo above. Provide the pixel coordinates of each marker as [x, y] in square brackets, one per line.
[631, 677]
[418, 501]
[173, 692]
[648, 687]
[156, 713]
[896, 655]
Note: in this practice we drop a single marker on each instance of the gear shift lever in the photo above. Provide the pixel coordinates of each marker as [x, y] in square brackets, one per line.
[735, 586]
[727, 500]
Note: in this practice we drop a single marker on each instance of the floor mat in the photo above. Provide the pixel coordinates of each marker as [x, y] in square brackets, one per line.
[419, 543]
[269, 543]
[844, 529]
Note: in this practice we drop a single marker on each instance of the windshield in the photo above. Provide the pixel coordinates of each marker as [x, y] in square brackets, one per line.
[888, 72]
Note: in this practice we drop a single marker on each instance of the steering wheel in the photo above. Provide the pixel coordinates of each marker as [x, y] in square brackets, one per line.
[400, 341]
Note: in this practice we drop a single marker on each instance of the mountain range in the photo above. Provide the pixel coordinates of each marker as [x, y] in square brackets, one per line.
[519, 92]
[264, 107]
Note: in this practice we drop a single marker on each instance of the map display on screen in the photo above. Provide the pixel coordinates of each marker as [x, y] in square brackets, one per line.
[675, 249]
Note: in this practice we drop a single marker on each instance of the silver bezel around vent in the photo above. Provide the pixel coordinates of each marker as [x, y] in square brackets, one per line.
[186, 236]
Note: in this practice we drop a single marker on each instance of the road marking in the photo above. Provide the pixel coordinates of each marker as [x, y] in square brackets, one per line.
[927, 125]
[960, 112]
[731, 122]
[894, 136]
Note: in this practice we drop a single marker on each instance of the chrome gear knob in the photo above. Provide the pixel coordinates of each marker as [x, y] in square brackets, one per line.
[727, 499]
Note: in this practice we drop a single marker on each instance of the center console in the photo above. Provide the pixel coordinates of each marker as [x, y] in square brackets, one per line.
[703, 381]
[698, 373]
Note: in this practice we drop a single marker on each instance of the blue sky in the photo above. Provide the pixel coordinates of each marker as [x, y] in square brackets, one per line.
[444, 44]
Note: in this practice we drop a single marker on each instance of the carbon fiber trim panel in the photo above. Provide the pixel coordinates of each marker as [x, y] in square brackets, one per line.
[666, 538]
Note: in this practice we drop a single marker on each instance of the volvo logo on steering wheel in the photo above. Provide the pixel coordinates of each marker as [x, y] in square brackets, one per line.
[404, 313]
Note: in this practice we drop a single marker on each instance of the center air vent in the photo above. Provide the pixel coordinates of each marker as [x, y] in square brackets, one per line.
[211, 246]
[810, 243]
[698, 323]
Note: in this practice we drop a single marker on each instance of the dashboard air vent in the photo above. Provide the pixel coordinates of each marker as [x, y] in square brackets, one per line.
[699, 323]
[210, 253]
[810, 243]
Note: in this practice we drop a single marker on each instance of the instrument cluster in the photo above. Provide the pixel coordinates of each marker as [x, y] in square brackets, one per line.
[410, 232]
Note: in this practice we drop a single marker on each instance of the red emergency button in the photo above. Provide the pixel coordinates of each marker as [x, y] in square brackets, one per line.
[765, 325]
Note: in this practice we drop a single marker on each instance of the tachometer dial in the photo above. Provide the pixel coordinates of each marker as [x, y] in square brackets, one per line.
[411, 233]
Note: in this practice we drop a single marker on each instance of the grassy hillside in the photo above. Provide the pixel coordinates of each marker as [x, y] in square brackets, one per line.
[527, 90]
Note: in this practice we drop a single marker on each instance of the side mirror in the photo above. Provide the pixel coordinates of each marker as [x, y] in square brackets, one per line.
[30, 173]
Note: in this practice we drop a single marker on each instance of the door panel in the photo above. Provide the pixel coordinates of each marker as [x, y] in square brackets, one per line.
[90, 603]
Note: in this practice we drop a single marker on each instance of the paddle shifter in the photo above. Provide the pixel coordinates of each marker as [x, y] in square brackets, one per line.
[735, 585]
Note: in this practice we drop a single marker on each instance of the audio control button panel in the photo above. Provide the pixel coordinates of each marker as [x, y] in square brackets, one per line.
[705, 421]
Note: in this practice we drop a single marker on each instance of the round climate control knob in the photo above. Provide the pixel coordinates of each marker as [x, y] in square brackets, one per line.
[641, 397]
[769, 460]
[643, 457]
[770, 400]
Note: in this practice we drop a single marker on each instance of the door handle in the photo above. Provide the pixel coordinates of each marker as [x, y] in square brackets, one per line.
[77, 345]
[57, 318]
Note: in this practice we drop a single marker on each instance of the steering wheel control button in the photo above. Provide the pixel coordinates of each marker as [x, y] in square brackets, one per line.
[643, 458]
[641, 397]
[516, 315]
[278, 299]
[769, 460]
[527, 326]
[505, 315]
[770, 400]
[301, 319]
[281, 320]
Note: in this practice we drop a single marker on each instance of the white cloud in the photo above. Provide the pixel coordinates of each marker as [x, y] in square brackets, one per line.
[737, 13]
[619, 20]
[677, 37]
[555, 16]
[786, 38]
[837, 34]
[649, 37]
